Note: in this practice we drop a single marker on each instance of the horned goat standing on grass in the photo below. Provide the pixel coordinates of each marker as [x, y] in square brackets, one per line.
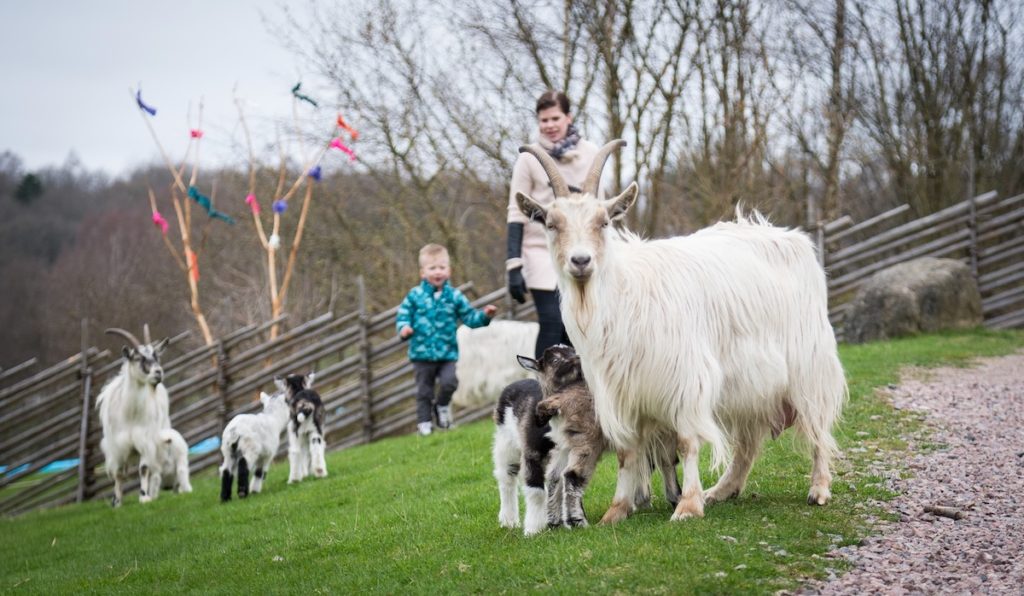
[721, 337]
[133, 410]
[251, 441]
[547, 435]
[305, 428]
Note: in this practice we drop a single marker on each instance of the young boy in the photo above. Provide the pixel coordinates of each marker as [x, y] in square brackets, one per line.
[427, 318]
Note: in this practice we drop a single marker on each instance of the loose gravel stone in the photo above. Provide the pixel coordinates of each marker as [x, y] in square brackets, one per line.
[976, 420]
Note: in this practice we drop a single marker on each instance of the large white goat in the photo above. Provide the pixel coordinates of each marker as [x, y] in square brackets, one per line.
[721, 336]
[133, 410]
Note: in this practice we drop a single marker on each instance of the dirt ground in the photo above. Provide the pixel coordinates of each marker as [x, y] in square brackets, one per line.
[972, 462]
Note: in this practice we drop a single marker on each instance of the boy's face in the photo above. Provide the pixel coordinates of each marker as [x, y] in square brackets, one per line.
[435, 270]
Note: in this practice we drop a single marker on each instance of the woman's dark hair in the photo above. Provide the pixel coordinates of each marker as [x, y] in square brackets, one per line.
[550, 99]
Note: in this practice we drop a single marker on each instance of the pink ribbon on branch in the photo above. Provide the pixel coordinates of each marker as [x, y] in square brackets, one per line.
[160, 222]
[195, 133]
[337, 144]
[253, 204]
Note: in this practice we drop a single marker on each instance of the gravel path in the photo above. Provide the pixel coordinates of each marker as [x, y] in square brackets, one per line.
[977, 417]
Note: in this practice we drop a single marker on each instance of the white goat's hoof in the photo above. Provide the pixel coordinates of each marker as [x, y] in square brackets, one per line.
[508, 522]
[819, 495]
[145, 499]
[688, 509]
[320, 473]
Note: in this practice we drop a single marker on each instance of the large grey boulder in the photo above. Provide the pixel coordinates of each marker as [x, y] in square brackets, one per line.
[918, 296]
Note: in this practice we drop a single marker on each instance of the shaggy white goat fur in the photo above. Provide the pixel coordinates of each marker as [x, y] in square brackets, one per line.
[250, 441]
[721, 336]
[487, 359]
[173, 455]
[133, 410]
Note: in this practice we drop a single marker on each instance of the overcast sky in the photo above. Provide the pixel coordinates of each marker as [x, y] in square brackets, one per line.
[68, 66]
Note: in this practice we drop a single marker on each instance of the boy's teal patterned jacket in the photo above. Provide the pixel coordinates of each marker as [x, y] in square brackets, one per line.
[433, 321]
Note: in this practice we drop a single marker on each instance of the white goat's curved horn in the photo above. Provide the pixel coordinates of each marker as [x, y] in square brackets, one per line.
[550, 168]
[124, 334]
[145, 333]
[594, 175]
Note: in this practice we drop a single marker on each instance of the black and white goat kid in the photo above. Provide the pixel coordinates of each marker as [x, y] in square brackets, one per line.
[306, 445]
[548, 435]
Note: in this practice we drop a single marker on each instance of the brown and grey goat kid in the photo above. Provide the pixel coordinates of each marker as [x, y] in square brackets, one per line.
[547, 434]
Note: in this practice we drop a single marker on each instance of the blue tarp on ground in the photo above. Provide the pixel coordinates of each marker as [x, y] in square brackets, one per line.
[205, 446]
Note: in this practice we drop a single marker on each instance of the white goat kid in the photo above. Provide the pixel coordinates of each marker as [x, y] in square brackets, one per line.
[251, 441]
[305, 428]
[722, 337]
[133, 410]
[173, 456]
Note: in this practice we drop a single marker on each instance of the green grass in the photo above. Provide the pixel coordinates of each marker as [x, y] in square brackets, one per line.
[419, 515]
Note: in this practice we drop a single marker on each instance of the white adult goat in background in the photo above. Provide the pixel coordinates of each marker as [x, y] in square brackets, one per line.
[133, 410]
[721, 336]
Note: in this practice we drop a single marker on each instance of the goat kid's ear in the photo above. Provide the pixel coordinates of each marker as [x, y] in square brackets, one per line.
[309, 380]
[530, 208]
[528, 363]
[279, 383]
[618, 206]
[264, 398]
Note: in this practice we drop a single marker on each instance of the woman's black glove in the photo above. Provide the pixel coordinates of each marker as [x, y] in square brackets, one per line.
[514, 264]
[517, 285]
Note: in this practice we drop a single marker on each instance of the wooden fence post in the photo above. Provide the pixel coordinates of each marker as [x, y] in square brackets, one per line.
[85, 475]
[223, 383]
[365, 375]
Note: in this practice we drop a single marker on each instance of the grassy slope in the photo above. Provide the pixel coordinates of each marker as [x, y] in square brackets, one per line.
[419, 515]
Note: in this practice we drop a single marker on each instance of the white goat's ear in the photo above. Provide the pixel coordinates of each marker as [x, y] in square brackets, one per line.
[530, 208]
[161, 346]
[279, 382]
[618, 206]
[264, 398]
[309, 380]
[528, 363]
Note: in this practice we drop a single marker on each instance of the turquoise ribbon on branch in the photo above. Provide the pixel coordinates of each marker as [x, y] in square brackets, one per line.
[204, 202]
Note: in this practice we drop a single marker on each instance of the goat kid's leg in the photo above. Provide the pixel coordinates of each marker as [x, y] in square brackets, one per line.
[731, 483]
[691, 502]
[575, 479]
[306, 455]
[243, 478]
[148, 490]
[316, 452]
[294, 457]
[821, 477]
[555, 488]
[628, 483]
[536, 519]
[184, 485]
[226, 479]
[507, 462]
[259, 473]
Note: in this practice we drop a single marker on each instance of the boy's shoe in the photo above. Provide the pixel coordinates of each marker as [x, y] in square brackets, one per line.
[424, 428]
[444, 417]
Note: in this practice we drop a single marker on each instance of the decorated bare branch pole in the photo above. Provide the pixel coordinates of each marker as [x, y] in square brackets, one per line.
[188, 257]
[309, 174]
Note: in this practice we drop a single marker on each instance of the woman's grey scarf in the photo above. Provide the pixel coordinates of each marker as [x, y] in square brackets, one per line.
[572, 136]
